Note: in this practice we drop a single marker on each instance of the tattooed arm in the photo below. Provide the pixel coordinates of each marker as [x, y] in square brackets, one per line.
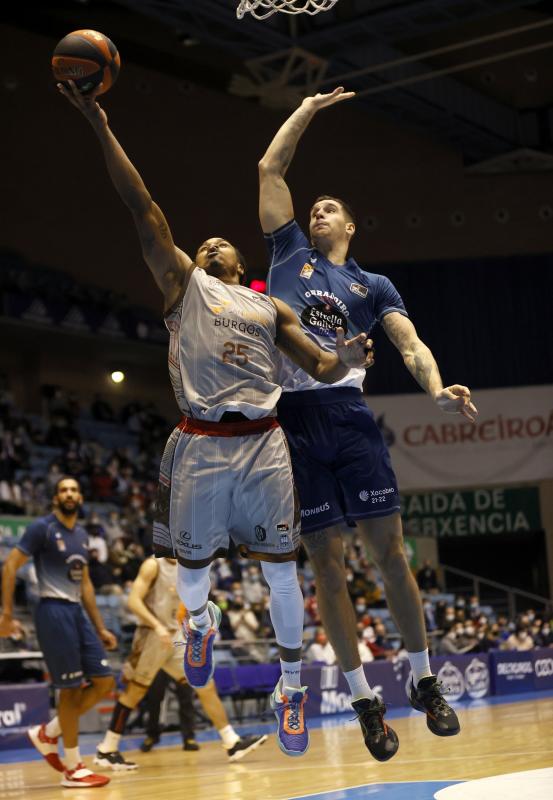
[275, 201]
[422, 365]
[169, 265]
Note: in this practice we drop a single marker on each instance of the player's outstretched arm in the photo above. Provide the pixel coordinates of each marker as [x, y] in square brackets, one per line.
[169, 265]
[422, 365]
[8, 625]
[321, 365]
[275, 200]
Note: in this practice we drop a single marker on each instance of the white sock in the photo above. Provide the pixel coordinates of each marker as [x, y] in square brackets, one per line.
[53, 729]
[291, 674]
[358, 684]
[110, 742]
[229, 736]
[420, 665]
[72, 757]
[202, 621]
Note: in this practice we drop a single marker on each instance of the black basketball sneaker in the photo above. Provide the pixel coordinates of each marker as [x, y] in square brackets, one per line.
[428, 698]
[380, 739]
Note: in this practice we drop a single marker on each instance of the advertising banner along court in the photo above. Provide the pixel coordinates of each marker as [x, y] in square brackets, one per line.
[511, 442]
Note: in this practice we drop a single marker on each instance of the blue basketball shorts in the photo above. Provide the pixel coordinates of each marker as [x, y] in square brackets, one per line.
[71, 647]
[342, 467]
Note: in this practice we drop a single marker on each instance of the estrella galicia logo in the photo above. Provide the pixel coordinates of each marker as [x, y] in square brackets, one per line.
[387, 433]
[260, 533]
[323, 319]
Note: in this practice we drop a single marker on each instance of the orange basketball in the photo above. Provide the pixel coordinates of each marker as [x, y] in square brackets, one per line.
[88, 58]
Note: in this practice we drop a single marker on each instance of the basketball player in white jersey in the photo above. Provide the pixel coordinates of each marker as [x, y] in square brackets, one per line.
[155, 602]
[226, 468]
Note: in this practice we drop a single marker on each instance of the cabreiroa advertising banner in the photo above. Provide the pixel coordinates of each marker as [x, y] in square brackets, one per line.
[511, 442]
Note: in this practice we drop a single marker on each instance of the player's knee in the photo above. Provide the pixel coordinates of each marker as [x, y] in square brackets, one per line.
[392, 561]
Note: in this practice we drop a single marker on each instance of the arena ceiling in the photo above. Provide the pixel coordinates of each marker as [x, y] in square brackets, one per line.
[497, 108]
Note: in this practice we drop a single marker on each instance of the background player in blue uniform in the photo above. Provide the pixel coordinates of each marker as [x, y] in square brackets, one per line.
[341, 464]
[72, 646]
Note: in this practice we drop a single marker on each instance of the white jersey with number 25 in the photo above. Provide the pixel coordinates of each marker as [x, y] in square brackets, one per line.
[222, 350]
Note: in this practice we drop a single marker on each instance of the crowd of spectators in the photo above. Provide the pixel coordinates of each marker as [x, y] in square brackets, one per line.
[119, 485]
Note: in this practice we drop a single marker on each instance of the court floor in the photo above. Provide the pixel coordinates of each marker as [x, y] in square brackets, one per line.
[498, 736]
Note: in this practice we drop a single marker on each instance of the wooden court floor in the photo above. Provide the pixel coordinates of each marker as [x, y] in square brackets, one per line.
[495, 739]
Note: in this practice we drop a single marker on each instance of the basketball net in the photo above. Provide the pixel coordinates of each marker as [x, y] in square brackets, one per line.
[261, 9]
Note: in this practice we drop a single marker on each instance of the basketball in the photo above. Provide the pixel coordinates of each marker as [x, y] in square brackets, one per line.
[88, 58]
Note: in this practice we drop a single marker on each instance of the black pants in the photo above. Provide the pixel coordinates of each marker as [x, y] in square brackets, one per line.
[154, 699]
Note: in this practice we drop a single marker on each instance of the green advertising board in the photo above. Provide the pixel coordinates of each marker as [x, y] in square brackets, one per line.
[13, 528]
[472, 512]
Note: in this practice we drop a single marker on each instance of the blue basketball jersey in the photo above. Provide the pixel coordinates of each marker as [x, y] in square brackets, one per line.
[59, 555]
[325, 296]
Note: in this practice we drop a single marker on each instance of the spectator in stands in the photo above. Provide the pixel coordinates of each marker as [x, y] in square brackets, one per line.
[429, 615]
[11, 498]
[245, 625]
[379, 644]
[102, 485]
[488, 638]
[365, 652]
[455, 642]
[101, 409]
[252, 585]
[97, 538]
[101, 575]
[520, 639]
[320, 651]
[427, 578]
[545, 636]
[473, 607]
[113, 528]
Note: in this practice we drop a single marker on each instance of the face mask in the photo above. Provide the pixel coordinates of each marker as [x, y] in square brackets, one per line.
[360, 609]
[450, 617]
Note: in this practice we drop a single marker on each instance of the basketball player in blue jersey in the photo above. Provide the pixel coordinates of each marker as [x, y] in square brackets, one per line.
[226, 468]
[332, 434]
[72, 646]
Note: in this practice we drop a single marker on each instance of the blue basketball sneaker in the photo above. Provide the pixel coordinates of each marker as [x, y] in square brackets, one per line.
[292, 733]
[198, 651]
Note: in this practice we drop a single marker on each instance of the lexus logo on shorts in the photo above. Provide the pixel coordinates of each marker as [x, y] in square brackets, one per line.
[260, 533]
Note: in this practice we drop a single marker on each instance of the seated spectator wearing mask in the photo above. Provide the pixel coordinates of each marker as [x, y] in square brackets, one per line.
[320, 651]
[520, 640]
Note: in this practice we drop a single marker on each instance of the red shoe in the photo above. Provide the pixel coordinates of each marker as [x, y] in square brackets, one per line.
[83, 778]
[47, 746]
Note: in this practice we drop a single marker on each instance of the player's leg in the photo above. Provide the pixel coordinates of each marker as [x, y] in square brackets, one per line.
[108, 754]
[58, 626]
[348, 453]
[236, 746]
[384, 539]
[186, 714]
[265, 523]
[289, 696]
[200, 625]
[201, 486]
[153, 701]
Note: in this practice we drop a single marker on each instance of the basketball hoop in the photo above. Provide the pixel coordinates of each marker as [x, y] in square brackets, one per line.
[261, 9]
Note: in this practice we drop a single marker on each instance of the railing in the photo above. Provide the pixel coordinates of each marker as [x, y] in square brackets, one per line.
[510, 592]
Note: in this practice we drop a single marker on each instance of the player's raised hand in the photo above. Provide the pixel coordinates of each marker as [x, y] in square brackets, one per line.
[318, 101]
[456, 400]
[357, 352]
[85, 103]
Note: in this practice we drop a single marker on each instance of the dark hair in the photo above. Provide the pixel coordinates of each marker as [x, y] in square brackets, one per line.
[61, 480]
[346, 206]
